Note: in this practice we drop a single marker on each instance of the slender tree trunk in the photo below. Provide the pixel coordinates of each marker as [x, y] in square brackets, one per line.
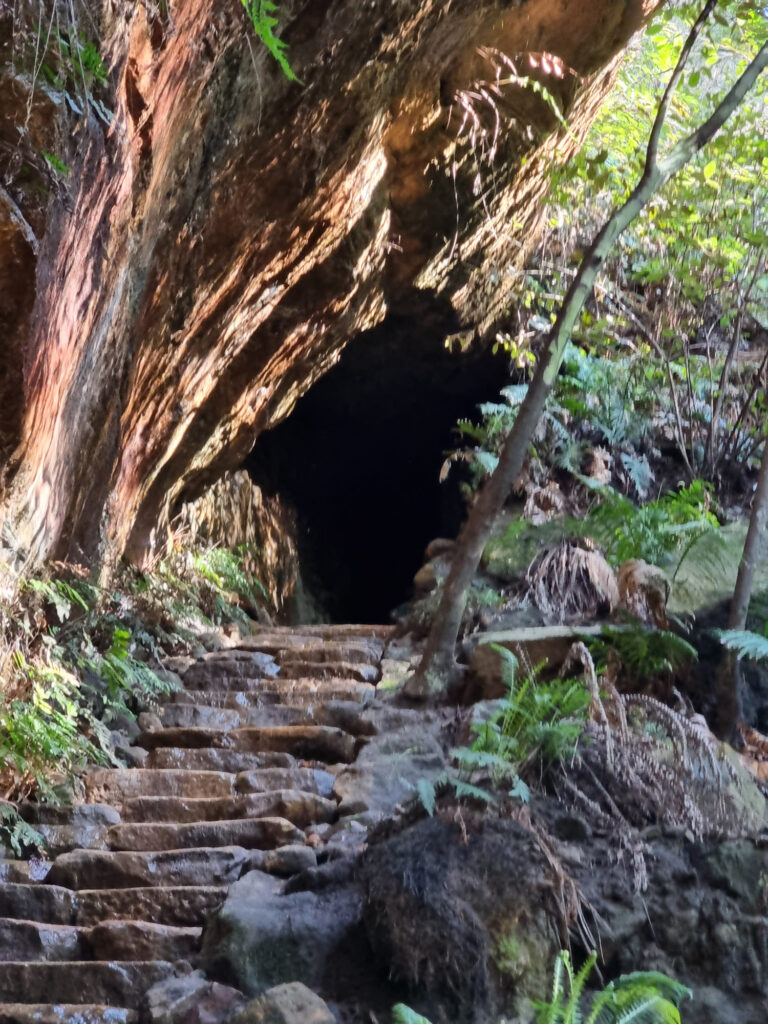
[729, 681]
[433, 676]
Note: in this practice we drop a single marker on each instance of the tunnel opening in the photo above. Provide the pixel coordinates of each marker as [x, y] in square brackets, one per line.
[359, 460]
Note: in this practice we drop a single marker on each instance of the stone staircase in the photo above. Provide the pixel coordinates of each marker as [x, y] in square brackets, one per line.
[238, 774]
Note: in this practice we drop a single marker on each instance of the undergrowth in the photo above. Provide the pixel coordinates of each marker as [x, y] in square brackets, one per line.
[77, 659]
[642, 997]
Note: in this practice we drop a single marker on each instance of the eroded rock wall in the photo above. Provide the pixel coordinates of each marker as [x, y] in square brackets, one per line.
[214, 247]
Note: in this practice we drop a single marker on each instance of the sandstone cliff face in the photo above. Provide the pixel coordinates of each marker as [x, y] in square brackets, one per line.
[216, 245]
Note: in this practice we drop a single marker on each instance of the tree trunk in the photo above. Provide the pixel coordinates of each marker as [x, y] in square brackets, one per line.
[433, 675]
[729, 681]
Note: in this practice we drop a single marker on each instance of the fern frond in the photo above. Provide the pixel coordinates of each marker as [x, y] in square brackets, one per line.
[402, 1014]
[744, 643]
[262, 16]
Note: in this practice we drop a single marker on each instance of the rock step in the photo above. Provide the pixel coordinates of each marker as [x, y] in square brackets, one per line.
[99, 869]
[108, 940]
[65, 1013]
[309, 742]
[38, 902]
[84, 815]
[296, 692]
[302, 809]
[307, 648]
[117, 784]
[217, 760]
[23, 871]
[330, 670]
[119, 984]
[35, 940]
[63, 838]
[248, 833]
[324, 632]
[183, 906]
[204, 716]
[267, 780]
[344, 714]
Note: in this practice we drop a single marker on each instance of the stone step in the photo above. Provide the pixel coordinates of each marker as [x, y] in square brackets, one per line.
[63, 838]
[119, 784]
[330, 670]
[203, 716]
[107, 940]
[65, 1013]
[22, 871]
[141, 940]
[83, 815]
[120, 984]
[230, 684]
[286, 650]
[309, 742]
[98, 869]
[217, 760]
[337, 633]
[181, 905]
[35, 902]
[234, 664]
[36, 940]
[266, 780]
[302, 809]
[251, 834]
[351, 653]
[297, 692]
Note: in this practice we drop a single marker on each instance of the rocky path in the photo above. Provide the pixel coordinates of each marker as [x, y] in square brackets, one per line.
[237, 771]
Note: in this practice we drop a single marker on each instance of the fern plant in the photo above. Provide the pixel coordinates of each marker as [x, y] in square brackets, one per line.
[16, 833]
[643, 652]
[402, 1014]
[744, 643]
[262, 17]
[643, 997]
[655, 531]
[536, 719]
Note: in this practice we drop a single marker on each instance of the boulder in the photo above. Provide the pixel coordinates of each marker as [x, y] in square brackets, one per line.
[389, 767]
[530, 645]
[460, 916]
[293, 1003]
[262, 937]
[192, 1000]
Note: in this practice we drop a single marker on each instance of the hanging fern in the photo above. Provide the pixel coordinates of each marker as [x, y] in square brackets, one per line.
[744, 643]
[262, 15]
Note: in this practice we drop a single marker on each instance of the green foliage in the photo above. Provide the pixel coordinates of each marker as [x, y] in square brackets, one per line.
[262, 16]
[643, 997]
[692, 266]
[536, 720]
[46, 731]
[402, 1014]
[655, 531]
[55, 163]
[744, 643]
[643, 653]
[225, 570]
[16, 833]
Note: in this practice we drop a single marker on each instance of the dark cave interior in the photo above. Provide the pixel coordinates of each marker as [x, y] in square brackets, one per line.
[360, 458]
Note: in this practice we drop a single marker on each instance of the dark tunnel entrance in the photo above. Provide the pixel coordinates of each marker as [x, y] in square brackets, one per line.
[360, 457]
